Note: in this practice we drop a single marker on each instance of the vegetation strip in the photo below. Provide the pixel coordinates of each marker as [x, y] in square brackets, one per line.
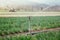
[50, 35]
[32, 32]
[21, 24]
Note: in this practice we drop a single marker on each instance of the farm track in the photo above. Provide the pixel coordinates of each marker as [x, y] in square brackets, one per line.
[26, 14]
[31, 32]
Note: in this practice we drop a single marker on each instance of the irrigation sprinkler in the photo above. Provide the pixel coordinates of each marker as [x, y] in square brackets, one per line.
[29, 24]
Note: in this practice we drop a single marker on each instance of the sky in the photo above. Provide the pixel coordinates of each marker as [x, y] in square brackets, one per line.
[27, 2]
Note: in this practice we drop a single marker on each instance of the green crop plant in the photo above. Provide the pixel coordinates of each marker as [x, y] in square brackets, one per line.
[21, 24]
[50, 35]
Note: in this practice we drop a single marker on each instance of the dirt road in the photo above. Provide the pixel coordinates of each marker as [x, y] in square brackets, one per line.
[26, 14]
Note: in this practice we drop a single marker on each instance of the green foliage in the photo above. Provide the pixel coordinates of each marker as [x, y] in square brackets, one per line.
[51, 35]
[16, 24]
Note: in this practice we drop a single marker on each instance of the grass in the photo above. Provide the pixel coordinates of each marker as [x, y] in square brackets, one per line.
[21, 24]
[51, 35]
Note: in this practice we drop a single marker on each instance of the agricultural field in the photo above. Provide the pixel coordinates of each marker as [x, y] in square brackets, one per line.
[51, 35]
[11, 25]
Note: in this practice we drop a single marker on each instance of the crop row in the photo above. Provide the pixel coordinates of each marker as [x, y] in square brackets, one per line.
[51, 35]
[21, 24]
